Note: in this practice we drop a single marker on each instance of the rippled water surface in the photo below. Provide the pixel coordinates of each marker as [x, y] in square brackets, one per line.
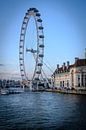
[42, 110]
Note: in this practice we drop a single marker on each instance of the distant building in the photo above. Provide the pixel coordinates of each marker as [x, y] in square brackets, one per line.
[71, 76]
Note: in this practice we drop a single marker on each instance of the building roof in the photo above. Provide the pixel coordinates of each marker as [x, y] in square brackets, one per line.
[78, 63]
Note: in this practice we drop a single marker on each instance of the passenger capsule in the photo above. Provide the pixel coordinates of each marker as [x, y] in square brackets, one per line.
[22, 70]
[41, 45]
[38, 72]
[21, 40]
[38, 14]
[41, 55]
[25, 17]
[24, 22]
[36, 78]
[23, 28]
[21, 59]
[36, 11]
[22, 75]
[40, 64]
[33, 8]
[39, 20]
[20, 52]
[30, 9]
[21, 46]
[27, 13]
[22, 34]
[40, 27]
[41, 36]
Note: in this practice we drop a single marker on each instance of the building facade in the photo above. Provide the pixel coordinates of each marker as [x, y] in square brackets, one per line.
[71, 76]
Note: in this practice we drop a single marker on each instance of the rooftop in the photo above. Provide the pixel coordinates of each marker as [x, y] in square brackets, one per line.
[66, 68]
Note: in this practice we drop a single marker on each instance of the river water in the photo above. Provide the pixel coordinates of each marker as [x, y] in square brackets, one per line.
[42, 111]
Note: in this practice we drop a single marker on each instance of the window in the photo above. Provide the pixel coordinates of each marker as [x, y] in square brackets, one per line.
[60, 83]
[82, 80]
[67, 83]
[85, 80]
[63, 83]
[78, 80]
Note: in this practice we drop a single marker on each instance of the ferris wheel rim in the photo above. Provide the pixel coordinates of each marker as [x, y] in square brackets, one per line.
[40, 44]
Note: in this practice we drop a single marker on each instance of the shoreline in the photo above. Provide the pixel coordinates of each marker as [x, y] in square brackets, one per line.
[62, 91]
[65, 91]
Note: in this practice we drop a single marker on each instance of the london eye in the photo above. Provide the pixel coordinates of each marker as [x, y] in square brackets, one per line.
[37, 52]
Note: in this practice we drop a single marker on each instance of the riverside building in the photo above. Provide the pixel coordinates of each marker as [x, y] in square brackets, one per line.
[71, 76]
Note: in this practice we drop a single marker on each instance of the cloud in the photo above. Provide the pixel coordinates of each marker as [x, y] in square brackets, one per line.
[1, 64]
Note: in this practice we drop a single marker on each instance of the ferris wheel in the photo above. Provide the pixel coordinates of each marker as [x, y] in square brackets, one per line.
[37, 52]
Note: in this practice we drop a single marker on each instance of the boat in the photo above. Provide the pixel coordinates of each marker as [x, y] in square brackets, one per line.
[15, 90]
[4, 92]
[11, 90]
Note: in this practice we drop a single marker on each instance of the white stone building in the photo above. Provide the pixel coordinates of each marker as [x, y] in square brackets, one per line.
[71, 76]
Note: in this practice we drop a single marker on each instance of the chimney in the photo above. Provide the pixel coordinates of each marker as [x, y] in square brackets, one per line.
[68, 63]
[76, 58]
[57, 67]
[63, 65]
